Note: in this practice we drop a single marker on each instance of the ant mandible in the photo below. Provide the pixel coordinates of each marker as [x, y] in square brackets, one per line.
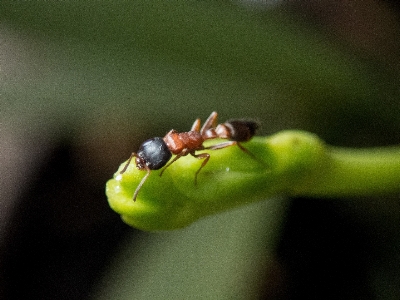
[154, 153]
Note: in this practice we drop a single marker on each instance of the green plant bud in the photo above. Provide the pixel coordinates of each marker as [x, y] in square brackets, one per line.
[231, 178]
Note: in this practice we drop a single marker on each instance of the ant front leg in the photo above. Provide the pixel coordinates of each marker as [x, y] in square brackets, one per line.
[128, 162]
[204, 156]
[141, 183]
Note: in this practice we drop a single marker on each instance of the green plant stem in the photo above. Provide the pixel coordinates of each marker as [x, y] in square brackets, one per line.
[351, 172]
[294, 163]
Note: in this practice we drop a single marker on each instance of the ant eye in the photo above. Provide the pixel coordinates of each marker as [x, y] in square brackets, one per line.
[155, 153]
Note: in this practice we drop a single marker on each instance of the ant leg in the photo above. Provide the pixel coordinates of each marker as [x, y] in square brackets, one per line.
[248, 152]
[141, 183]
[128, 162]
[222, 145]
[211, 122]
[196, 126]
[206, 157]
[171, 162]
[232, 143]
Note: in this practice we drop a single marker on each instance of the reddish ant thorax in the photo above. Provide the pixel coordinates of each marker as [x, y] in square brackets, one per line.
[184, 141]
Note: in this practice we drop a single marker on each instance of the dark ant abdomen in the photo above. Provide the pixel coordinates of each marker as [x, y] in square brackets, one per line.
[241, 130]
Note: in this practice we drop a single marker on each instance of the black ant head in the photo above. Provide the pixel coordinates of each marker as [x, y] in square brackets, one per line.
[152, 153]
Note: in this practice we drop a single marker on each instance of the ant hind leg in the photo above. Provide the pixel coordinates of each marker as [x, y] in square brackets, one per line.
[232, 143]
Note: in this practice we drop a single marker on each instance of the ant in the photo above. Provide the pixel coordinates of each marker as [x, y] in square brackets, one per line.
[154, 153]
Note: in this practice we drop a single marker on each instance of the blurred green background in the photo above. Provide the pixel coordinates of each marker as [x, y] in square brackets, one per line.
[82, 84]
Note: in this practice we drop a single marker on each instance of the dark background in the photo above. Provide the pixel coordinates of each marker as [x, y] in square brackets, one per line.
[82, 84]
